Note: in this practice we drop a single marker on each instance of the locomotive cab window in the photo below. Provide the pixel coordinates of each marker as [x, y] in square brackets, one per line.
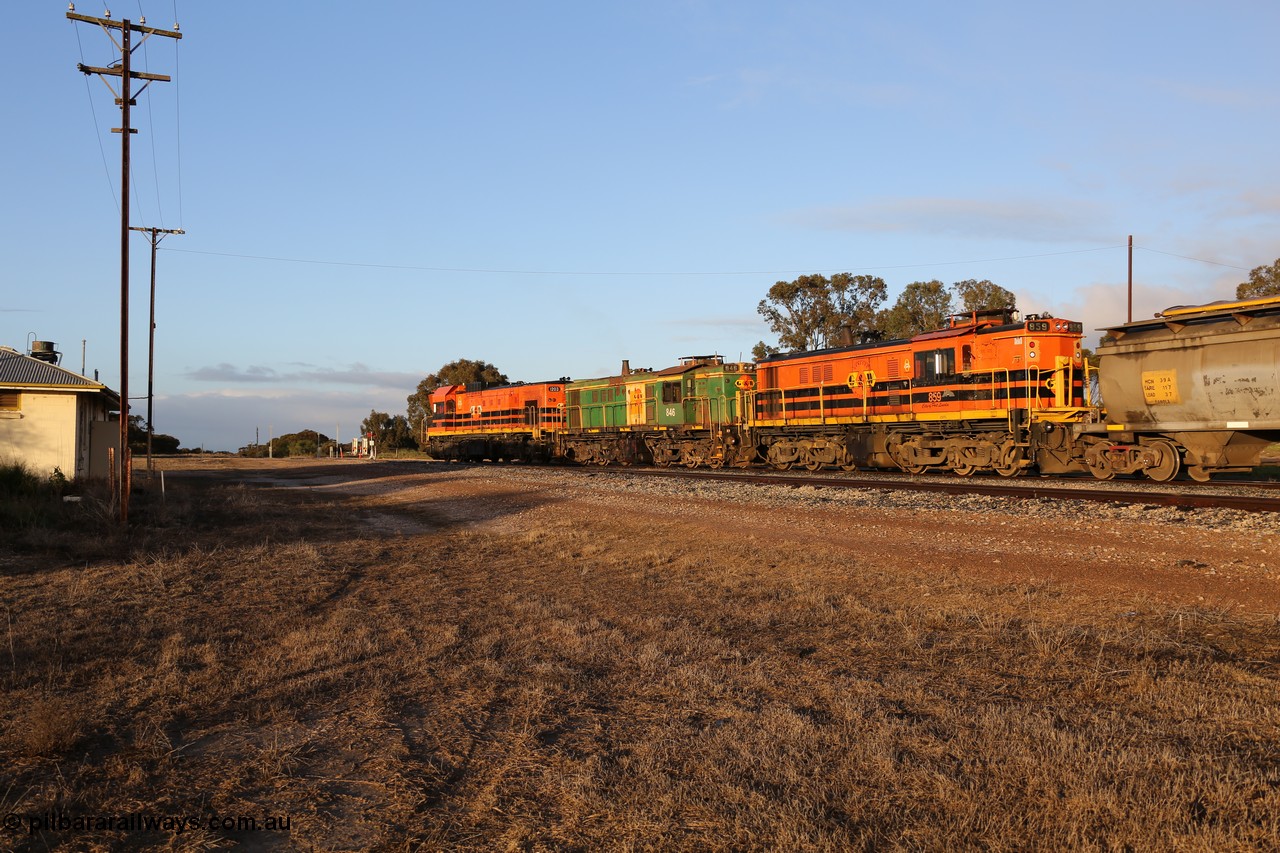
[935, 365]
[671, 392]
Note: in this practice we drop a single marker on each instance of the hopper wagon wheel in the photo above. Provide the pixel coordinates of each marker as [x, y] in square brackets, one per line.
[716, 460]
[1100, 466]
[1198, 473]
[1167, 463]
[963, 469]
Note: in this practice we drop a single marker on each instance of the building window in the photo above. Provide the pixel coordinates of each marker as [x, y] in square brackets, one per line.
[10, 401]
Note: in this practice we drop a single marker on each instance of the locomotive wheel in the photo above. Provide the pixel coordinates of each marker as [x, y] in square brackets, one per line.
[1168, 464]
[1010, 461]
[781, 466]
[662, 463]
[915, 469]
[812, 462]
[964, 470]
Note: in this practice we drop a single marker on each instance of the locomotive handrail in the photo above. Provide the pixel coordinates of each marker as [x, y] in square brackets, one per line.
[746, 403]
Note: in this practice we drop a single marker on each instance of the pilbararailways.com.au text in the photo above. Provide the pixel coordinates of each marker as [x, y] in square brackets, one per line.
[32, 824]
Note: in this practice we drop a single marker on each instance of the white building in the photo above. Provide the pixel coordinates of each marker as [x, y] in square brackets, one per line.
[54, 419]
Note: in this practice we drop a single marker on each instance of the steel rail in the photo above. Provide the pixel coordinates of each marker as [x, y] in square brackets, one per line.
[1244, 503]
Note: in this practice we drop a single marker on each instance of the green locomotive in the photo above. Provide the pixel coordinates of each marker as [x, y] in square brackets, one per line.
[691, 414]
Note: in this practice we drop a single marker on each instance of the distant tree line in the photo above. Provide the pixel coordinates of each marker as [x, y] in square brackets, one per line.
[308, 442]
[1263, 281]
[160, 442]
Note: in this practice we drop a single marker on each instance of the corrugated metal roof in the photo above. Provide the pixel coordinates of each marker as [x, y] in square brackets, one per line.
[22, 371]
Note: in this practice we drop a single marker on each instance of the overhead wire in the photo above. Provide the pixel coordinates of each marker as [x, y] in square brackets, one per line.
[177, 95]
[678, 273]
[151, 121]
[654, 274]
[97, 131]
[1189, 258]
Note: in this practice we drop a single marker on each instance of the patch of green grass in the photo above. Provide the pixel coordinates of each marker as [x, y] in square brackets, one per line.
[26, 499]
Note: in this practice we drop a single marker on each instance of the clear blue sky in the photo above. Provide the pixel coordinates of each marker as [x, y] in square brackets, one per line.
[554, 187]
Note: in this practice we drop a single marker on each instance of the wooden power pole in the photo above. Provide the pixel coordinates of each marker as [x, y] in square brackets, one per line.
[156, 235]
[125, 98]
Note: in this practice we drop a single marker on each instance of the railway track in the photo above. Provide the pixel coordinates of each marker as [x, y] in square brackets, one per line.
[1140, 493]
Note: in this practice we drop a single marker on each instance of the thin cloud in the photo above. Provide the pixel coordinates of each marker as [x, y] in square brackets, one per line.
[753, 86]
[229, 419]
[1017, 219]
[230, 373]
[356, 374]
[740, 321]
[1241, 99]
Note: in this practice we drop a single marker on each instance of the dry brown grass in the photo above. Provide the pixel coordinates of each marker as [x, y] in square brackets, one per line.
[605, 684]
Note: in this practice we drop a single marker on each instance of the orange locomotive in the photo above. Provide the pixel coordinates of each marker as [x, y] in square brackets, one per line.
[520, 421]
[986, 392]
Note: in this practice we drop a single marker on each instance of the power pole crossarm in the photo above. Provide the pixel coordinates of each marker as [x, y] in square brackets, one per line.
[120, 25]
[118, 72]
